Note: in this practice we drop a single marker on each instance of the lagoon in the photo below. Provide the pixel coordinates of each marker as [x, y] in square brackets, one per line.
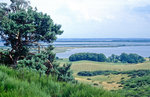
[106, 46]
[141, 50]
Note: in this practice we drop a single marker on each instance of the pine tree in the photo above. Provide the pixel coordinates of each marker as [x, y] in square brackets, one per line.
[22, 27]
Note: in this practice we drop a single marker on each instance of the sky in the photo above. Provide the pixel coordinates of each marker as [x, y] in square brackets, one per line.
[99, 18]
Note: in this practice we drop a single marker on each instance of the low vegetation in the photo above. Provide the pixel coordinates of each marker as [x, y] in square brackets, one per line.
[28, 83]
[111, 81]
[134, 73]
[138, 85]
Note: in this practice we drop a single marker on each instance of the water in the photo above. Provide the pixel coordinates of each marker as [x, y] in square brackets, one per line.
[141, 50]
[106, 46]
[100, 44]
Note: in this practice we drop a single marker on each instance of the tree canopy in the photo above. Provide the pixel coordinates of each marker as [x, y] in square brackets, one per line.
[123, 58]
[88, 56]
[21, 26]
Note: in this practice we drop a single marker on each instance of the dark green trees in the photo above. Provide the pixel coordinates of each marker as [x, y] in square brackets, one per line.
[126, 58]
[88, 56]
[113, 58]
[123, 58]
[23, 27]
[131, 58]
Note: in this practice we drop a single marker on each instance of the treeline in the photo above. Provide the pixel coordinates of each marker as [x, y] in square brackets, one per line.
[123, 58]
[132, 74]
[88, 56]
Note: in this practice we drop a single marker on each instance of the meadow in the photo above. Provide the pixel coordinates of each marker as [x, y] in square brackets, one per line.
[108, 82]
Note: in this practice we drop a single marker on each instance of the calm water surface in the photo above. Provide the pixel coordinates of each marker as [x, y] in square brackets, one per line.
[141, 50]
[107, 48]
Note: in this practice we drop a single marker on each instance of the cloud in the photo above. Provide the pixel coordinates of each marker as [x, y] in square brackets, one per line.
[99, 18]
[97, 10]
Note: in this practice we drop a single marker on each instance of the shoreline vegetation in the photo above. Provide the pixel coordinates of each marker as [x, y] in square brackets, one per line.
[123, 58]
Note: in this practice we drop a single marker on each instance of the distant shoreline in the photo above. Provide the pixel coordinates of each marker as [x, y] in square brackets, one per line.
[103, 40]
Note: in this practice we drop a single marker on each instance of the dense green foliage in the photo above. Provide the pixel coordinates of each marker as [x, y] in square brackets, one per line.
[131, 58]
[4, 58]
[88, 56]
[123, 58]
[39, 63]
[27, 83]
[94, 73]
[133, 74]
[113, 58]
[22, 27]
[126, 58]
[65, 74]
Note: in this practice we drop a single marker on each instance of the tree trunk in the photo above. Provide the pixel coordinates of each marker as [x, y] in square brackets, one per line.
[15, 63]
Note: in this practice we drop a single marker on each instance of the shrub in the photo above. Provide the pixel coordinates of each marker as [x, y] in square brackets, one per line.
[4, 57]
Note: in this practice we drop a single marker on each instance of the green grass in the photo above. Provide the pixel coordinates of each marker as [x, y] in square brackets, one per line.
[95, 66]
[26, 83]
[102, 80]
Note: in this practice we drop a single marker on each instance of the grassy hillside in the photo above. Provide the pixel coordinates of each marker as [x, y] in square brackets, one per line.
[26, 83]
[108, 82]
[78, 66]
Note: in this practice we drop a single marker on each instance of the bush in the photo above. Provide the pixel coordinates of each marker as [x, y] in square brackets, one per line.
[65, 74]
[35, 62]
[4, 57]
[132, 74]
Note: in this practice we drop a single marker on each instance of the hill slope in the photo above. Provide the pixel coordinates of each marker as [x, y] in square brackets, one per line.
[26, 83]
